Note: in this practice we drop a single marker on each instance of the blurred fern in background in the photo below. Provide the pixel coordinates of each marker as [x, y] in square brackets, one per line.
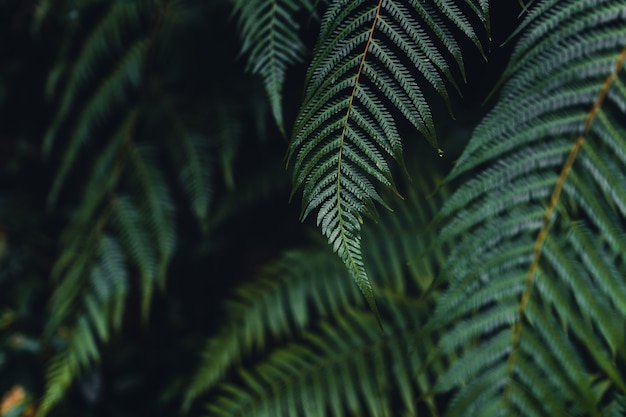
[150, 261]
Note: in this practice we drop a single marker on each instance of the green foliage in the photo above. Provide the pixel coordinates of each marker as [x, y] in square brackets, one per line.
[269, 31]
[110, 88]
[537, 297]
[370, 60]
[299, 340]
[150, 263]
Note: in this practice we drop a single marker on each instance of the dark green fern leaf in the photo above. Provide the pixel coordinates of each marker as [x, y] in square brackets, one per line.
[128, 224]
[305, 286]
[100, 304]
[275, 306]
[191, 154]
[103, 46]
[337, 369]
[617, 407]
[537, 297]
[269, 29]
[112, 92]
[345, 132]
[92, 267]
[195, 176]
[98, 105]
[156, 210]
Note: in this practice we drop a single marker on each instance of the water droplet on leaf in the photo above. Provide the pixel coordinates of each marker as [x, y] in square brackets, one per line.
[440, 153]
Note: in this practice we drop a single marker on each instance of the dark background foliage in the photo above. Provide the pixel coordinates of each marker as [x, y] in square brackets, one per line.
[147, 359]
[196, 115]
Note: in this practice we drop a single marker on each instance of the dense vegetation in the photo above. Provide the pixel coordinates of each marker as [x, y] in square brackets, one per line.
[463, 160]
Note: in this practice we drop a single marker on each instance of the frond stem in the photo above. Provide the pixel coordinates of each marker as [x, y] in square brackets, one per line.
[353, 265]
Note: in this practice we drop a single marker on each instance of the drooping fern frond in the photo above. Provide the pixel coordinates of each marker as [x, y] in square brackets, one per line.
[303, 303]
[373, 62]
[195, 178]
[269, 30]
[102, 304]
[537, 297]
[126, 137]
[82, 238]
[127, 220]
[156, 218]
[191, 153]
[109, 236]
[103, 46]
[124, 198]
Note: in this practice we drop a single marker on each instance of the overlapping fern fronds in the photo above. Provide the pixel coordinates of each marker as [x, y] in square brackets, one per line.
[96, 101]
[336, 369]
[111, 235]
[110, 103]
[373, 60]
[311, 337]
[537, 296]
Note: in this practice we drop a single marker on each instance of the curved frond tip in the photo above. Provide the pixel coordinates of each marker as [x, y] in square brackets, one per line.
[269, 32]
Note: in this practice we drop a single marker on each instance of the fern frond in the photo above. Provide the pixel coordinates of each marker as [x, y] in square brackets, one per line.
[93, 268]
[269, 30]
[305, 286]
[276, 305]
[103, 296]
[92, 278]
[104, 40]
[191, 154]
[157, 210]
[617, 407]
[109, 139]
[345, 132]
[133, 234]
[105, 43]
[337, 369]
[536, 273]
[111, 93]
[87, 298]
[195, 175]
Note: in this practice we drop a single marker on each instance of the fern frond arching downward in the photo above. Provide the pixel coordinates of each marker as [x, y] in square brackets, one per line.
[269, 30]
[345, 131]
